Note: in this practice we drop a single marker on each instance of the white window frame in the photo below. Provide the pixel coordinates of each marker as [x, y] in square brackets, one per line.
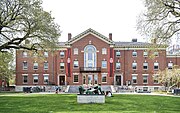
[74, 66]
[23, 75]
[34, 65]
[104, 64]
[75, 51]
[145, 75]
[104, 75]
[104, 51]
[36, 75]
[74, 78]
[60, 65]
[145, 65]
[134, 63]
[118, 55]
[45, 76]
[170, 65]
[119, 66]
[145, 54]
[62, 54]
[134, 54]
[156, 64]
[46, 67]
[25, 67]
[134, 76]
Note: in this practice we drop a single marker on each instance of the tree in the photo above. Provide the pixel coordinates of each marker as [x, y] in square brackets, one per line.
[161, 20]
[169, 77]
[24, 24]
[6, 65]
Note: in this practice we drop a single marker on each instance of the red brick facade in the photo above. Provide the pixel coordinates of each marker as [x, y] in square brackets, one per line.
[91, 58]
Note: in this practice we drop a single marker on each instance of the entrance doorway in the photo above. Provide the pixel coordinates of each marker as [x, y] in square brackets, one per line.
[90, 79]
[61, 80]
[118, 80]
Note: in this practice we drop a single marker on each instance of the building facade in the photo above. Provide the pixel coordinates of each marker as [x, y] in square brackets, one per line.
[92, 58]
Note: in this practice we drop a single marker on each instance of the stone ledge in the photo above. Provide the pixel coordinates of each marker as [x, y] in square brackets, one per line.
[91, 98]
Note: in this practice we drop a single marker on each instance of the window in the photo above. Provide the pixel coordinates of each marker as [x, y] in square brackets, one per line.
[145, 53]
[104, 64]
[24, 53]
[118, 65]
[76, 64]
[76, 78]
[45, 54]
[104, 51]
[25, 78]
[134, 79]
[104, 77]
[62, 65]
[46, 78]
[170, 65]
[155, 78]
[145, 88]
[134, 65]
[145, 79]
[35, 78]
[145, 66]
[75, 51]
[118, 53]
[134, 54]
[156, 66]
[45, 65]
[25, 65]
[62, 54]
[156, 53]
[35, 66]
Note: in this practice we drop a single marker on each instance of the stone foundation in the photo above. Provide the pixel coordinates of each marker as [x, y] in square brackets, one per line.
[91, 98]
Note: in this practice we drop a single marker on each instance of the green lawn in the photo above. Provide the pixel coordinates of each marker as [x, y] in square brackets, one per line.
[58, 103]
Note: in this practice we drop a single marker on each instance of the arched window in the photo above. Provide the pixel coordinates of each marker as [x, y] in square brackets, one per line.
[90, 56]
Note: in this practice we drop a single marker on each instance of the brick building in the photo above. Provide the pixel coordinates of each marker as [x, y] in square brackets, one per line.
[92, 58]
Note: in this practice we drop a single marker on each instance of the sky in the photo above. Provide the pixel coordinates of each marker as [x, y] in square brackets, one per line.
[118, 17]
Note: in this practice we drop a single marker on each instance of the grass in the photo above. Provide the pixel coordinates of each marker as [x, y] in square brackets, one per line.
[63, 103]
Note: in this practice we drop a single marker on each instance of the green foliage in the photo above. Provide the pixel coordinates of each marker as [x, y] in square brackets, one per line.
[60, 103]
[170, 77]
[6, 65]
[160, 20]
[24, 24]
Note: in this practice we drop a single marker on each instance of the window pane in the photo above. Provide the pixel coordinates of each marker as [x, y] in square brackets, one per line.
[25, 65]
[62, 53]
[134, 53]
[35, 78]
[118, 54]
[75, 78]
[46, 79]
[104, 64]
[104, 51]
[45, 65]
[118, 65]
[134, 65]
[24, 53]
[104, 77]
[134, 79]
[76, 65]
[35, 65]
[156, 65]
[145, 53]
[145, 66]
[145, 79]
[170, 65]
[62, 65]
[76, 51]
[25, 79]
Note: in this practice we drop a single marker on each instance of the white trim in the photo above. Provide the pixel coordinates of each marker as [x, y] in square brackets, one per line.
[91, 34]
[129, 48]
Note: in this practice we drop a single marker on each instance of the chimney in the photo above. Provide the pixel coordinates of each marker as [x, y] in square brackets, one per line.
[134, 40]
[69, 36]
[110, 36]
